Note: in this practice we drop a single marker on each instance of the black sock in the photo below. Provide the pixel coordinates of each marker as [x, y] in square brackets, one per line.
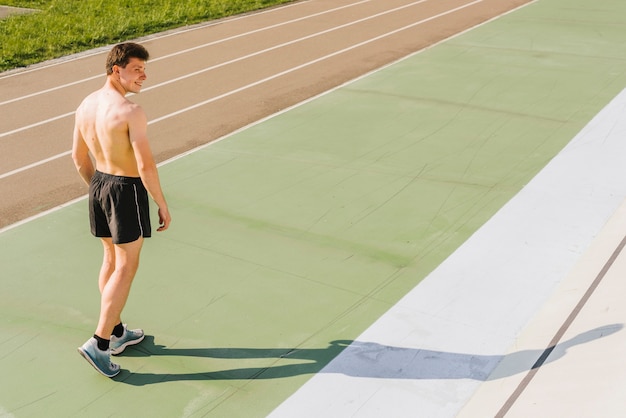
[118, 331]
[102, 343]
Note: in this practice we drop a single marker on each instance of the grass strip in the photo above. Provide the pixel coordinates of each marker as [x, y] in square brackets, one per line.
[62, 27]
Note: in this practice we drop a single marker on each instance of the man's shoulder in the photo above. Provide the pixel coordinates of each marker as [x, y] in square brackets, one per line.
[132, 106]
[88, 100]
[132, 110]
[87, 108]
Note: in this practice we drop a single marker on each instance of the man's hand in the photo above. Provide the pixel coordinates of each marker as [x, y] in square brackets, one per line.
[164, 219]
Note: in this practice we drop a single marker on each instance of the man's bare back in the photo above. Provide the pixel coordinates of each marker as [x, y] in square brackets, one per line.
[110, 125]
[103, 121]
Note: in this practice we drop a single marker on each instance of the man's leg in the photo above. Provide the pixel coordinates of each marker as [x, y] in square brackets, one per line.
[108, 263]
[116, 289]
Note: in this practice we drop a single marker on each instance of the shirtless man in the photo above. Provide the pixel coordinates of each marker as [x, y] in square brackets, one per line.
[113, 130]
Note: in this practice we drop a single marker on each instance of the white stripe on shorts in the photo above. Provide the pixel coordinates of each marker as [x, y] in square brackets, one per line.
[138, 212]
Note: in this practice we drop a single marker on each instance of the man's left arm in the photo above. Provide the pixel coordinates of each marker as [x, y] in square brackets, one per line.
[137, 133]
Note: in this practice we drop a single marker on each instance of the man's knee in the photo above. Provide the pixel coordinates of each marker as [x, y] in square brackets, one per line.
[127, 257]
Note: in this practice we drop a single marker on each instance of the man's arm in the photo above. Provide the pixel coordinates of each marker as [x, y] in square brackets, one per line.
[80, 155]
[137, 132]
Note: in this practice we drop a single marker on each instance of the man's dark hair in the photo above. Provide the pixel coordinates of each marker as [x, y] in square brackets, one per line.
[122, 53]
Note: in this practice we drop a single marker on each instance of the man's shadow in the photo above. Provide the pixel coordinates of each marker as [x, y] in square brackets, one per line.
[360, 359]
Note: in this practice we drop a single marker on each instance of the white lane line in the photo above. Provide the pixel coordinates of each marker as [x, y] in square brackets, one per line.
[315, 61]
[299, 67]
[431, 351]
[62, 86]
[34, 125]
[304, 38]
[184, 51]
[35, 164]
[277, 25]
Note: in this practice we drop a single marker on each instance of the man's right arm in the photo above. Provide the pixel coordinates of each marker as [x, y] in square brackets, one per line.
[80, 154]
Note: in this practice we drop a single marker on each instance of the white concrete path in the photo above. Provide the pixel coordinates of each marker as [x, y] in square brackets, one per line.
[546, 269]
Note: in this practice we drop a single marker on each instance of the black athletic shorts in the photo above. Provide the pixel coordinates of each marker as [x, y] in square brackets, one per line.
[118, 208]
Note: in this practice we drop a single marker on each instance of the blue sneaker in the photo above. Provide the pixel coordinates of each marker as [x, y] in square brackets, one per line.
[129, 337]
[100, 360]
